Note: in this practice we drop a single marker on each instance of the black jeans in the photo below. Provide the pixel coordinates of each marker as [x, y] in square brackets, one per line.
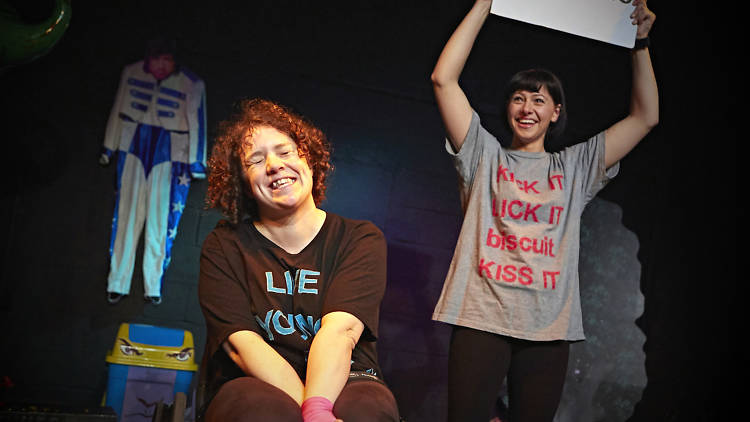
[479, 362]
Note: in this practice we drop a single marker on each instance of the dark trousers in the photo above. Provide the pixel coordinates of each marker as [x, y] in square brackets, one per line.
[479, 362]
[250, 399]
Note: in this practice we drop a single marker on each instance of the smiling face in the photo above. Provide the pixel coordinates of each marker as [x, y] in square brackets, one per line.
[529, 116]
[277, 177]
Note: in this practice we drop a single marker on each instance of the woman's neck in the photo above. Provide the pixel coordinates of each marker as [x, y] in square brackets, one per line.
[533, 146]
[292, 232]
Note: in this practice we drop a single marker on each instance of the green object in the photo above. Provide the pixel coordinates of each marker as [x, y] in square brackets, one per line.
[22, 42]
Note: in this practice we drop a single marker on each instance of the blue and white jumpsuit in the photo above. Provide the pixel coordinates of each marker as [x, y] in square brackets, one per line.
[157, 129]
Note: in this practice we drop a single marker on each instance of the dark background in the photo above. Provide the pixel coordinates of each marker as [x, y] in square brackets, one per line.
[360, 70]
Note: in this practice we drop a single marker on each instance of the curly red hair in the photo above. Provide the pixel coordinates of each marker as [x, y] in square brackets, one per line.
[227, 190]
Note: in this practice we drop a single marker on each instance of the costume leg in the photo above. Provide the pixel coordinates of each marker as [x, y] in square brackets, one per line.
[169, 184]
[535, 379]
[364, 400]
[127, 222]
[248, 399]
[177, 199]
[154, 251]
[477, 365]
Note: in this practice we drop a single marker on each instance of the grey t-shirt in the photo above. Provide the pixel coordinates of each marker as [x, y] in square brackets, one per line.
[515, 267]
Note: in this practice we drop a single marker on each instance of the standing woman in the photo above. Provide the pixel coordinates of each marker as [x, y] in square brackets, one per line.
[290, 293]
[511, 292]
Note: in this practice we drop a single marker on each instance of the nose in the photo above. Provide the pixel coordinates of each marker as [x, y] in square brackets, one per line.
[527, 107]
[274, 163]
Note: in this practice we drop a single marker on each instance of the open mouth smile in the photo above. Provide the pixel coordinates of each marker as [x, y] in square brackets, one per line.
[526, 122]
[281, 183]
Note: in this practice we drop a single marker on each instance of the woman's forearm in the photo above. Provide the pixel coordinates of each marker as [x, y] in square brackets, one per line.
[451, 100]
[329, 360]
[328, 365]
[256, 358]
[452, 59]
[624, 135]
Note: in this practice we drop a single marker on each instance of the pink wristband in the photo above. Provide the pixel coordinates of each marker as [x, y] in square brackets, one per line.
[317, 409]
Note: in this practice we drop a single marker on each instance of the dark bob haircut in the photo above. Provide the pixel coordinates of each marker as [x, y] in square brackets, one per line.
[533, 80]
[227, 190]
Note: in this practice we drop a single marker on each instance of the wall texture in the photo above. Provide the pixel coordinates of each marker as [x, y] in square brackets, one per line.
[658, 282]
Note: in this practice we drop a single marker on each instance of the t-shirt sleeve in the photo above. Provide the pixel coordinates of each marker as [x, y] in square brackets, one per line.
[588, 158]
[358, 282]
[478, 144]
[222, 293]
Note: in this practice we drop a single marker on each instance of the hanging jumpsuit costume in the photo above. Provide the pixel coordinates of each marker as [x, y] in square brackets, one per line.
[157, 129]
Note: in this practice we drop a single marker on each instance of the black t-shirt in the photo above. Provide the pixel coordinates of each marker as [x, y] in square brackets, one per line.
[249, 283]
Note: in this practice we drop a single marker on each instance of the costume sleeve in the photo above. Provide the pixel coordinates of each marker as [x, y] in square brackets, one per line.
[114, 123]
[197, 130]
[358, 283]
[588, 159]
[223, 295]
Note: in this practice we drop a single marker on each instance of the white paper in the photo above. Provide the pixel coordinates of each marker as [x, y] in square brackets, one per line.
[603, 20]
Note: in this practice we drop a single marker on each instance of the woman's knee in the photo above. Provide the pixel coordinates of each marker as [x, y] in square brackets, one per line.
[366, 401]
[249, 399]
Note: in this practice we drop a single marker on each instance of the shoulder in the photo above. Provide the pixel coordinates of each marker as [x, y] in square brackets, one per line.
[352, 227]
[594, 144]
[224, 232]
[225, 228]
[192, 76]
[134, 69]
[349, 233]
[478, 140]
[480, 131]
[135, 65]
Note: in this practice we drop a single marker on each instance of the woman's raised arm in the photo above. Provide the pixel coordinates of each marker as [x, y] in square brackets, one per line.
[624, 135]
[453, 105]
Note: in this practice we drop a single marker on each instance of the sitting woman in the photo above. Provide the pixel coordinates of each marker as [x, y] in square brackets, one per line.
[290, 293]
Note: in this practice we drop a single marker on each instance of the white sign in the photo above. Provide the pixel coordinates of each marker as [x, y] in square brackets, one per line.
[603, 20]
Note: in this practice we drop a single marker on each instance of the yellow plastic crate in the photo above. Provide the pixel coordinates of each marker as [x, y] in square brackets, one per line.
[156, 347]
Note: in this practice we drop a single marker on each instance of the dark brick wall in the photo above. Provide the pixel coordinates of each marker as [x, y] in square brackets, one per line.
[361, 71]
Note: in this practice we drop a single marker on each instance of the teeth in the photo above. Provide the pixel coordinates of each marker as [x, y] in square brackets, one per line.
[524, 121]
[281, 182]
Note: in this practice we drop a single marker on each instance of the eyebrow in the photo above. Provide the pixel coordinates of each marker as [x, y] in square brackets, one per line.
[533, 93]
[275, 147]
